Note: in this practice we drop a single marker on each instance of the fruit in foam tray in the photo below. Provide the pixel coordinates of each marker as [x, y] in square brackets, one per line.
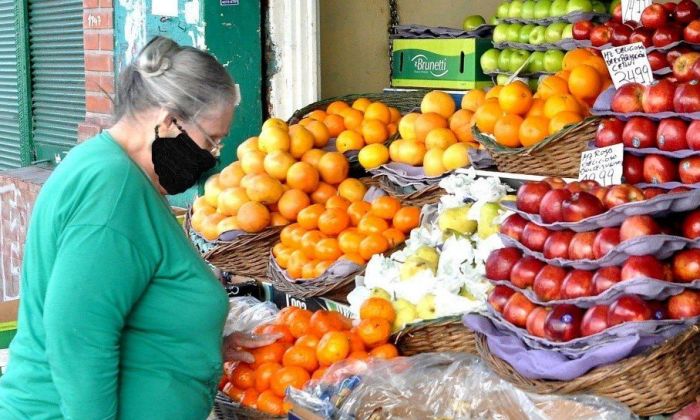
[659, 96]
[605, 240]
[628, 308]
[472, 22]
[557, 244]
[500, 263]
[639, 225]
[524, 272]
[577, 283]
[686, 98]
[580, 206]
[563, 323]
[691, 225]
[499, 297]
[581, 246]
[605, 278]
[536, 320]
[551, 205]
[684, 305]
[530, 196]
[594, 320]
[628, 98]
[686, 265]
[547, 284]
[534, 236]
[513, 226]
[643, 266]
[517, 309]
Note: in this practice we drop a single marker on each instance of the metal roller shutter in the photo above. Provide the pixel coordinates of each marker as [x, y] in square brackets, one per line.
[10, 137]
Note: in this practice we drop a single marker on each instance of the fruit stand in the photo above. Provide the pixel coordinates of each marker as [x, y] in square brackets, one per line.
[537, 229]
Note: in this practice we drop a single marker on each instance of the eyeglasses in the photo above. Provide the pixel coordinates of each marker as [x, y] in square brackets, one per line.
[216, 147]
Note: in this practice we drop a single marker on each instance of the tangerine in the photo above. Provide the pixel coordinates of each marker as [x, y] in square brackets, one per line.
[378, 111]
[374, 331]
[376, 307]
[320, 132]
[253, 217]
[357, 210]
[385, 207]
[370, 224]
[263, 374]
[335, 124]
[333, 221]
[288, 376]
[426, 122]
[292, 202]
[406, 219]
[533, 130]
[438, 102]
[270, 403]
[334, 168]
[323, 193]
[562, 120]
[334, 346]
[337, 202]
[461, 125]
[585, 82]
[349, 140]
[506, 130]
[487, 115]
[308, 217]
[385, 351]
[352, 190]
[473, 99]
[336, 106]
[300, 356]
[373, 244]
[394, 236]
[327, 249]
[515, 98]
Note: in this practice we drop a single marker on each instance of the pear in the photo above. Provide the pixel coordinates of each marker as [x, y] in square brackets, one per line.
[380, 293]
[414, 265]
[426, 307]
[487, 215]
[405, 315]
[455, 219]
[428, 254]
[509, 197]
[399, 304]
[466, 294]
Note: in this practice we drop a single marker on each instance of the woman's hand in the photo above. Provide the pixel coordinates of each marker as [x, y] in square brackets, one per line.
[237, 344]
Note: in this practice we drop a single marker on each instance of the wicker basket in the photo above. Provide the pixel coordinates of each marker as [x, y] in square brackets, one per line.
[441, 335]
[557, 155]
[226, 409]
[662, 380]
[428, 195]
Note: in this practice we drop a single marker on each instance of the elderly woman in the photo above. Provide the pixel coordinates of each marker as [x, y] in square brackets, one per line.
[119, 316]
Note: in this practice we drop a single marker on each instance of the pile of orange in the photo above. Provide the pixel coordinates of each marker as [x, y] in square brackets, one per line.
[310, 343]
[516, 117]
[278, 173]
[345, 227]
[437, 138]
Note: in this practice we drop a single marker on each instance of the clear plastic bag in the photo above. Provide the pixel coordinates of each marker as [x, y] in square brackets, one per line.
[438, 385]
[245, 313]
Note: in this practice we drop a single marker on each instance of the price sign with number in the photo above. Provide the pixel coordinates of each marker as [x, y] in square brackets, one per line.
[627, 64]
[632, 9]
[603, 165]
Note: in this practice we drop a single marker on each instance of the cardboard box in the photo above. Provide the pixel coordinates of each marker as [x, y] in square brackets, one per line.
[439, 63]
[8, 328]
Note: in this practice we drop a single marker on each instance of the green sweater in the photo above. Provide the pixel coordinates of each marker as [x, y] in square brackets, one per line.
[119, 316]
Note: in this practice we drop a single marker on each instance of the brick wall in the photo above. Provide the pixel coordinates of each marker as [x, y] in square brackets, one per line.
[98, 39]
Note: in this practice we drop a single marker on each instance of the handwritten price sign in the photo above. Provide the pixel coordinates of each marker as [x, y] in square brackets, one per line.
[632, 9]
[603, 165]
[627, 64]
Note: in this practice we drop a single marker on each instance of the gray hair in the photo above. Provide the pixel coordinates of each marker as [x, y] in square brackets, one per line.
[184, 80]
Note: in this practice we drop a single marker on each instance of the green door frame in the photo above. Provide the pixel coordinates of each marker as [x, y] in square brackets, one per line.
[24, 84]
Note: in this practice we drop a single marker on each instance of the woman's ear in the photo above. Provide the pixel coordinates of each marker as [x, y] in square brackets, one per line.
[167, 126]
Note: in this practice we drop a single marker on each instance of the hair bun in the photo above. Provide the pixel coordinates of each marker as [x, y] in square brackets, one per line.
[154, 58]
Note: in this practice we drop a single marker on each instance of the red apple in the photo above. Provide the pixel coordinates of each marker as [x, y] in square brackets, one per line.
[563, 323]
[671, 134]
[576, 284]
[666, 35]
[628, 308]
[689, 170]
[499, 297]
[609, 132]
[600, 192]
[557, 245]
[683, 66]
[686, 265]
[643, 266]
[605, 240]
[581, 246]
[691, 225]
[605, 278]
[684, 305]
[587, 185]
[500, 263]
[643, 35]
[534, 236]
[687, 97]
[524, 272]
[696, 70]
[535, 321]
[555, 182]
[675, 53]
[691, 33]
[517, 309]
[659, 310]
[659, 96]
[659, 169]
[640, 225]
[632, 169]
[692, 136]
[580, 206]
[652, 192]
[547, 284]
[657, 60]
[621, 194]
[670, 10]
[617, 14]
[594, 320]
[582, 29]
[513, 226]
[679, 190]
[621, 35]
[687, 11]
[550, 207]
[628, 98]
[640, 133]
[530, 195]
[654, 16]
[601, 35]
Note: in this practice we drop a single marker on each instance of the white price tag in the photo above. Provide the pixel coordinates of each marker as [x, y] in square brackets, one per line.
[632, 9]
[627, 64]
[603, 164]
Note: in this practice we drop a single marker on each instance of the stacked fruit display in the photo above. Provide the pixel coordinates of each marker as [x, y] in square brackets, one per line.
[345, 228]
[309, 344]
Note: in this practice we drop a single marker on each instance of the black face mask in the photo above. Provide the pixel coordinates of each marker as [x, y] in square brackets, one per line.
[179, 162]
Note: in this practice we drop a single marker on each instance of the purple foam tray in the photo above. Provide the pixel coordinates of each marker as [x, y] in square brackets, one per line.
[570, 18]
[601, 108]
[586, 43]
[676, 154]
[659, 205]
[668, 185]
[563, 44]
[660, 246]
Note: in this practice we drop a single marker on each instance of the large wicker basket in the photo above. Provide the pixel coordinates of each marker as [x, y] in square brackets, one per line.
[226, 409]
[447, 334]
[659, 381]
[428, 195]
[557, 155]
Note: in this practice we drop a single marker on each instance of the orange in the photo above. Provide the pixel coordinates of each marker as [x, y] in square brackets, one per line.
[307, 340]
[334, 168]
[357, 210]
[323, 322]
[284, 314]
[355, 258]
[269, 403]
[406, 219]
[308, 217]
[295, 267]
[438, 102]
[349, 241]
[340, 320]
[264, 189]
[585, 82]
[426, 122]
[253, 217]
[333, 347]
[385, 207]
[487, 115]
[302, 176]
[231, 175]
[320, 132]
[373, 155]
[352, 189]
[321, 267]
[335, 124]
[352, 118]
[432, 162]
[323, 193]
[394, 236]
[563, 119]
[515, 98]
[361, 104]
[272, 353]
[274, 122]
[560, 103]
[358, 355]
[277, 219]
[356, 343]
[598, 64]
[298, 323]
[291, 235]
[234, 393]
[375, 307]
[332, 222]
[301, 356]
[533, 130]
[231, 200]
[552, 85]
[507, 129]
[440, 138]
[574, 58]
[282, 254]
[395, 115]
[318, 375]
[411, 152]
[253, 162]
[385, 351]
[293, 376]
[282, 330]
[198, 217]
[228, 224]
[493, 93]
[309, 242]
[374, 131]
[378, 111]
[473, 99]
[210, 225]
[328, 249]
[277, 163]
[374, 331]
[349, 140]
[461, 125]
[292, 202]
[200, 203]
[263, 374]
[301, 141]
[305, 121]
[337, 202]
[317, 115]
[243, 377]
[313, 156]
[372, 224]
[407, 126]
[274, 138]
[563, 74]
[250, 398]
[249, 145]
[373, 244]
[308, 270]
[336, 106]
[537, 108]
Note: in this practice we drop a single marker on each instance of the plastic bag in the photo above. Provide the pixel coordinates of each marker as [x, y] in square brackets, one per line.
[245, 313]
[438, 385]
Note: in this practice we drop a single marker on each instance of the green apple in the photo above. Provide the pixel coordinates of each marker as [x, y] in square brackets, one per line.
[380, 293]
[455, 220]
[473, 22]
[542, 9]
[404, 316]
[536, 62]
[613, 5]
[489, 60]
[426, 307]
[568, 32]
[494, 20]
[579, 6]
[504, 59]
[553, 32]
[413, 266]
[516, 9]
[429, 254]
[558, 8]
[502, 11]
[500, 33]
[518, 58]
[553, 60]
[537, 35]
[514, 32]
[599, 7]
[528, 11]
[525, 33]
[502, 79]
[533, 83]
